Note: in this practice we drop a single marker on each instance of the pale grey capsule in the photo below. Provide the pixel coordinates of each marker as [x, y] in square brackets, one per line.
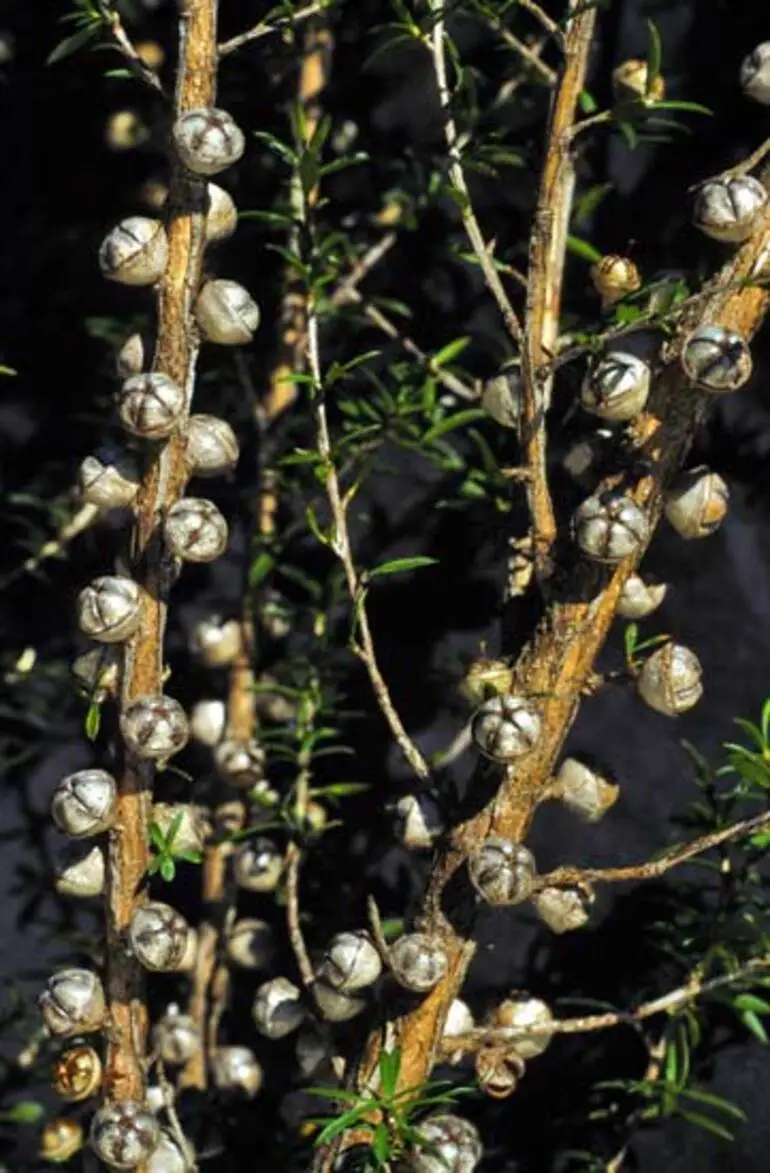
[585, 792]
[418, 962]
[217, 641]
[277, 1008]
[176, 1036]
[519, 1011]
[638, 598]
[154, 726]
[195, 530]
[419, 821]
[505, 728]
[446, 1144]
[610, 526]
[211, 447]
[235, 1070]
[208, 140]
[501, 398]
[150, 405]
[250, 943]
[755, 74]
[83, 803]
[670, 680]
[459, 1021]
[697, 503]
[616, 388]
[729, 209]
[73, 1003]
[240, 763]
[350, 962]
[208, 720]
[337, 1005]
[258, 865]
[716, 359]
[564, 909]
[168, 1156]
[501, 871]
[108, 479]
[134, 252]
[161, 939]
[222, 214]
[97, 672]
[124, 1134]
[226, 313]
[130, 358]
[109, 608]
[83, 878]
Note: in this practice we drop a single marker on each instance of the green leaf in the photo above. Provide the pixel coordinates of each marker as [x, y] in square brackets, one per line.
[400, 565]
[692, 107]
[167, 868]
[582, 248]
[7, 371]
[458, 420]
[450, 351]
[390, 1066]
[23, 1112]
[381, 1143]
[277, 147]
[157, 838]
[93, 721]
[630, 637]
[654, 56]
[588, 103]
[260, 568]
[71, 44]
[753, 1023]
[708, 1124]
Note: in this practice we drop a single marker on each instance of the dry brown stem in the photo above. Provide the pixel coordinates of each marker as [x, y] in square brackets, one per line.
[265, 28]
[175, 356]
[553, 670]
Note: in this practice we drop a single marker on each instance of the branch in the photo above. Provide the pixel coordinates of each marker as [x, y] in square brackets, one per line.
[563, 876]
[125, 47]
[265, 27]
[143, 671]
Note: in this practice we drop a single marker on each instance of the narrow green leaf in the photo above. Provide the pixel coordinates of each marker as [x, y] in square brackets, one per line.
[381, 1143]
[71, 44]
[260, 568]
[654, 56]
[753, 1023]
[167, 868]
[93, 721]
[708, 1124]
[452, 422]
[582, 248]
[400, 565]
[450, 351]
[588, 103]
[390, 1066]
[7, 371]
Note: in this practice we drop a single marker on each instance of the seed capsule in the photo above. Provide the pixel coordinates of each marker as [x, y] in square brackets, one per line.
[418, 962]
[520, 1010]
[459, 1021]
[336, 1005]
[226, 313]
[154, 727]
[60, 1140]
[222, 214]
[609, 527]
[501, 398]
[218, 642]
[350, 962]
[419, 821]
[83, 878]
[77, 1074]
[697, 504]
[585, 792]
[161, 938]
[638, 598]
[207, 721]
[670, 680]
[240, 763]
[729, 209]
[755, 74]
[176, 1037]
[109, 480]
[258, 865]
[129, 360]
[631, 83]
[505, 728]
[208, 140]
[250, 943]
[450, 1144]
[277, 1009]
[83, 803]
[134, 252]
[124, 1134]
[616, 388]
[236, 1070]
[109, 608]
[151, 405]
[211, 447]
[716, 359]
[501, 871]
[195, 530]
[614, 277]
[498, 1071]
[564, 909]
[73, 1003]
[169, 1157]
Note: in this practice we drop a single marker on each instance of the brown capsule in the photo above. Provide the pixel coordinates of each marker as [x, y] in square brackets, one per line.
[631, 82]
[498, 1071]
[61, 1139]
[614, 277]
[77, 1074]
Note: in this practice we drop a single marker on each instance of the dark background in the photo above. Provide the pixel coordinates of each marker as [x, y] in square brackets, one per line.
[62, 187]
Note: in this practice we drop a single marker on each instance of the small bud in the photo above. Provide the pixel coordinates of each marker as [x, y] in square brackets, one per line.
[240, 763]
[614, 277]
[207, 721]
[631, 83]
[258, 865]
[60, 1140]
[218, 642]
[419, 821]
[250, 943]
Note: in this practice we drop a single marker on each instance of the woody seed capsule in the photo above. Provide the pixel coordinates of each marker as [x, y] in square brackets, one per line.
[109, 608]
[195, 530]
[150, 405]
[154, 726]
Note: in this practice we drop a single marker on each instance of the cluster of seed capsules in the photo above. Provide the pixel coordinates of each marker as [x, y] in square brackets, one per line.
[608, 527]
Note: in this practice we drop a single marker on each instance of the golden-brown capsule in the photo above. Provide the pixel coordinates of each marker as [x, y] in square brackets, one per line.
[61, 1139]
[631, 82]
[77, 1074]
[614, 277]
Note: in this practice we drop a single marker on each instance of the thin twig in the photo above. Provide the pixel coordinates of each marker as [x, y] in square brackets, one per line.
[85, 517]
[294, 859]
[546, 21]
[126, 48]
[437, 48]
[266, 27]
[667, 1003]
[563, 876]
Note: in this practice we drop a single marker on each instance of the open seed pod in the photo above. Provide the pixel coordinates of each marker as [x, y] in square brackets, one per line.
[97, 672]
[168, 1156]
[84, 877]
[697, 503]
[670, 680]
[250, 943]
[208, 720]
[505, 728]
[222, 214]
[501, 398]
[150, 406]
[336, 1005]
[755, 74]
[124, 1134]
[419, 821]
[161, 938]
[176, 1036]
[501, 871]
[585, 792]
[278, 1009]
[716, 359]
[195, 530]
[350, 962]
[218, 642]
[729, 209]
[240, 763]
[450, 1144]
[459, 1021]
[83, 803]
[235, 1070]
[498, 1071]
[616, 387]
[610, 526]
[226, 313]
[638, 598]
[61, 1139]
[134, 252]
[73, 1003]
[519, 1011]
[208, 140]
[564, 909]
[77, 1074]
[211, 447]
[108, 479]
[109, 608]
[258, 865]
